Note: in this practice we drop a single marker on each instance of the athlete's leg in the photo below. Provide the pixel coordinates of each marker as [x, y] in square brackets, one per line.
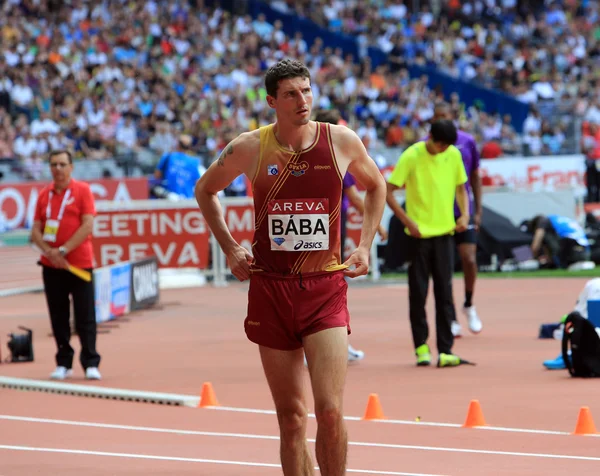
[468, 256]
[285, 374]
[467, 252]
[327, 355]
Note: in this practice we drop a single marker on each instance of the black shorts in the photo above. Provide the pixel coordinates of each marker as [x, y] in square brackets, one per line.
[468, 236]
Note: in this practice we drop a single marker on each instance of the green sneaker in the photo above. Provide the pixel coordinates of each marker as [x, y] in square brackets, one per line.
[448, 360]
[423, 355]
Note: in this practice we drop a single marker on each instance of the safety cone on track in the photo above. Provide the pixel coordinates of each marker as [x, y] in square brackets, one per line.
[585, 423]
[208, 397]
[374, 410]
[474, 415]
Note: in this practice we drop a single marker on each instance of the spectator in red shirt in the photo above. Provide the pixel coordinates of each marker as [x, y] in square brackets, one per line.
[62, 228]
[491, 150]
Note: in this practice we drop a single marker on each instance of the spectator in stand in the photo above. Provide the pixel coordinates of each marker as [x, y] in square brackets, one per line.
[177, 172]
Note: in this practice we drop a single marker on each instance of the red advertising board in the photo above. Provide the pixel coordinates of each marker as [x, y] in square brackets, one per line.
[240, 221]
[178, 237]
[17, 201]
[354, 222]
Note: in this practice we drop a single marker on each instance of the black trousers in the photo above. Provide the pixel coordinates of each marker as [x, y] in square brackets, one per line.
[432, 257]
[59, 286]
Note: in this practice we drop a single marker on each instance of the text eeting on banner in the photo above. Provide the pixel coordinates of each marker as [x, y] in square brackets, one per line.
[144, 283]
[178, 237]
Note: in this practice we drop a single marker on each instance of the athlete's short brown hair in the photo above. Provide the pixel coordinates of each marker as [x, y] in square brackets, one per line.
[284, 69]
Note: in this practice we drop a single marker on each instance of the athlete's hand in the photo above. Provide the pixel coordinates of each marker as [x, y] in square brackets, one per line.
[360, 260]
[413, 229]
[462, 223]
[239, 262]
[477, 220]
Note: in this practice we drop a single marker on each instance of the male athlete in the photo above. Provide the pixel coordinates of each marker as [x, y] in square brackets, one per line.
[297, 299]
[467, 240]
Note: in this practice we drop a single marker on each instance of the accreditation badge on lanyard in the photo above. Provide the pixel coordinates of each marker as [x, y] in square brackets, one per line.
[51, 227]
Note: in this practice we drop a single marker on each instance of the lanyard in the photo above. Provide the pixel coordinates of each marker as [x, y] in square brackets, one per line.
[62, 205]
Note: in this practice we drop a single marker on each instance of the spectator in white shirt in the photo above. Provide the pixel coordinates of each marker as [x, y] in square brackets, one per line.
[127, 134]
[22, 96]
[44, 125]
[25, 145]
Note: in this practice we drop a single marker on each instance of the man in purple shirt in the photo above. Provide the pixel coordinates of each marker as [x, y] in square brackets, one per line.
[467, 240]
[349, 196]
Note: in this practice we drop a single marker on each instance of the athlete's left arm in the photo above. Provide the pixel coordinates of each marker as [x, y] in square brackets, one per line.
[462, 198]
[354, 155]
[475, 181]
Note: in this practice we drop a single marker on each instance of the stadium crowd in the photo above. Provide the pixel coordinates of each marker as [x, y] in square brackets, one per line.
[116, 78]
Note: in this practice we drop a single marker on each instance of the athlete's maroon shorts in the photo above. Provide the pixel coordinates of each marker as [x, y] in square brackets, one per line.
[283, 310]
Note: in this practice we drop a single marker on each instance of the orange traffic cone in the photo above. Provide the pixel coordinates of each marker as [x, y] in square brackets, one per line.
[208, 397]
[474, 415]
[585, 423]
[373, 410]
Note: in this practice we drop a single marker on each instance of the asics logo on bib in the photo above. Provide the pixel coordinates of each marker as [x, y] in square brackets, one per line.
[310, 245]
[299, 224]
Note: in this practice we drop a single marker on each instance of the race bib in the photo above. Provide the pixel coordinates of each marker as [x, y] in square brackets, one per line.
[50, 231]
[299, 224]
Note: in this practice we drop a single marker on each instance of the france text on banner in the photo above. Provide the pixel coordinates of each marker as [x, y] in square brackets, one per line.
[17, 201]
[535, 173]
[177, 236]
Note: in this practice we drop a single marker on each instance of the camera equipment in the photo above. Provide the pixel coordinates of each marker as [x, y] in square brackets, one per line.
[21, 346]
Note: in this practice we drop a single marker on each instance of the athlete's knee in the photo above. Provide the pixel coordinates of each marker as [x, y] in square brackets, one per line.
[470, 261]
[329, 415]
[292, 420]
[468, 257]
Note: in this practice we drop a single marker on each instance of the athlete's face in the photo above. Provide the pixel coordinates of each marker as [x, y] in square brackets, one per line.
[294, 100]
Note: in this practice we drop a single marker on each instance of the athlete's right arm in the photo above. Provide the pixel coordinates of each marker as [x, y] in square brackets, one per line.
[238, 157]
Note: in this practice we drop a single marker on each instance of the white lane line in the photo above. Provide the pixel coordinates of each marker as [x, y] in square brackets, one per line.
[186, 460]
[270, 437]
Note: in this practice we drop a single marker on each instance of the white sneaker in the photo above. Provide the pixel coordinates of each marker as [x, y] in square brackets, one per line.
[92, 373]
[475, 324]
[61, 373]
[456, 329]
[354, 354]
